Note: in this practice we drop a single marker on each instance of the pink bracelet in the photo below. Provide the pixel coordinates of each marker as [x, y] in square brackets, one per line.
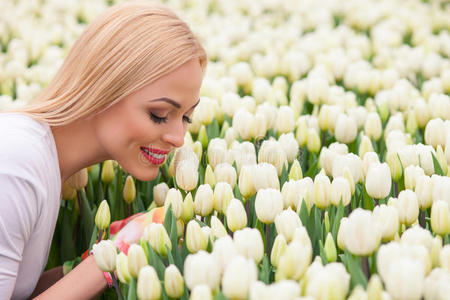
[107, 275]
[108, 279]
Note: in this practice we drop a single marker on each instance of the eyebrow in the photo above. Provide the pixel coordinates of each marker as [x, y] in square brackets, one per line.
[173, 102]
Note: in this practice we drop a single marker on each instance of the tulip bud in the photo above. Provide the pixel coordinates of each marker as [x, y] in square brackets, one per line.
[321, 190]
[238, 276]
[301, 134]
[340, 190]
[440, 217]
[348, 175]
[407, 273]
[362, 235]
[395, 165]
[434, 135]
[268, 204]
[203, 203]
[246, 186]
[378, 181]
[187, 211]
[173, 282]
[365, 146]
[195, 239]
[105, 255]
[440, 156]
[373, 126]
[294, 261]
[159, 193]
[223, 193]
[407, 207]
[210, 178]
[158, 238]
[201, 268]
[174, 199]
[186, 175]
[225, 172]
[148, 286]
[330, 248]
[346, 129]
[217, 228]
[278, 248]
[103, 216]
[424, 191]
[296, 171]
[129, 190]
[249, 243]
[236, 215]
[387, 219]
[286, 222]
[198, 150]
[68, 192]
[374, 288]
[444, 258]
[341, 233]
[203, 136]
[180, 228]
[201, 292]
[136, 259]
[313, 143]
[107, 172]
[436, 247]
[78, 180]
[122, 268]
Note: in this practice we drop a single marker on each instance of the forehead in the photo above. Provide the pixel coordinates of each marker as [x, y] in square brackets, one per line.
[182, 85]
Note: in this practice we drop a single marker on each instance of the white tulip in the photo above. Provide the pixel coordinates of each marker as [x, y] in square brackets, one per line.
[268, 204]
[239, 274]
[201, 268]
[249, 243]
[378, 181]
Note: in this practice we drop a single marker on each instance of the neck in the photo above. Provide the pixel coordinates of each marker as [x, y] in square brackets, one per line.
[77, 147]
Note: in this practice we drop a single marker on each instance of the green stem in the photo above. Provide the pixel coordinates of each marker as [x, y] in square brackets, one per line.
[268, 240]
[116, 286]
[365, 266]
[422, 219]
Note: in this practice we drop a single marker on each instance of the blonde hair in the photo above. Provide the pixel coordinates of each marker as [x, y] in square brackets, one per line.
[127, 47]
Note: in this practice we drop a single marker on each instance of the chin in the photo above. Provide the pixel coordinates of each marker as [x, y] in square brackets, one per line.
[145, 175]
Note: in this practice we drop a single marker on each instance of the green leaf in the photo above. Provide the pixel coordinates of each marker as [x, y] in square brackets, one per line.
[337, 221]
[67, 248]
[284, 175]
[220, 296]
[304, 217]
[323, 256]
[264, 274]
[368, 202]
[132, 289]
[168, 219]
[353, 265]
[156, 262]
[170, 256]
[313, 170]
[437, 166]
[93, 237]
[87, 216]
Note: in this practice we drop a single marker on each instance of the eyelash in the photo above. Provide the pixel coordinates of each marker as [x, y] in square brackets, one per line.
[159, 120]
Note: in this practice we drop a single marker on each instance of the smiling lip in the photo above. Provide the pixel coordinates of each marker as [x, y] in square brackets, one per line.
[154, 156]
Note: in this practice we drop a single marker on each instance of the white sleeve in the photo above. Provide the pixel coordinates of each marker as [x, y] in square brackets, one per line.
[18, 215]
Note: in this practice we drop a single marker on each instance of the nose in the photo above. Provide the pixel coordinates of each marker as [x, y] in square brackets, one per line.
[175, 134]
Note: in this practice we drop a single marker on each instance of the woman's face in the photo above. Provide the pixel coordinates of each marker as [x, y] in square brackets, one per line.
[142, 128]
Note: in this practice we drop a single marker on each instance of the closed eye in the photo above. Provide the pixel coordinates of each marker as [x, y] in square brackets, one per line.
[159, 120]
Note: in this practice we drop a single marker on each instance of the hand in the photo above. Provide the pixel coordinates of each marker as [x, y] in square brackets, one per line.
[130, 230]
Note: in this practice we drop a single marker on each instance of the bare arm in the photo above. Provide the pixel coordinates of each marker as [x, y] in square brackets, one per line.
[86, 281]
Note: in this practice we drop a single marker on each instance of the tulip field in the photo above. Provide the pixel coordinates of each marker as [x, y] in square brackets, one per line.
[316, 165]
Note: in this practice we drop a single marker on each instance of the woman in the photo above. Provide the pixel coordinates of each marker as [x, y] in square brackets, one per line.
[125, 92]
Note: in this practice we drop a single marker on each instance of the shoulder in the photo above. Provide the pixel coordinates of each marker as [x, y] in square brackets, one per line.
[26, 146]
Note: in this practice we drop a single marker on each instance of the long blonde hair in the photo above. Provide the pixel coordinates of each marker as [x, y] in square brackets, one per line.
[127, 47]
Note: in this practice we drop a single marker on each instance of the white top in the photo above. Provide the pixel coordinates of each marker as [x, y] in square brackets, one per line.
[30, 193]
